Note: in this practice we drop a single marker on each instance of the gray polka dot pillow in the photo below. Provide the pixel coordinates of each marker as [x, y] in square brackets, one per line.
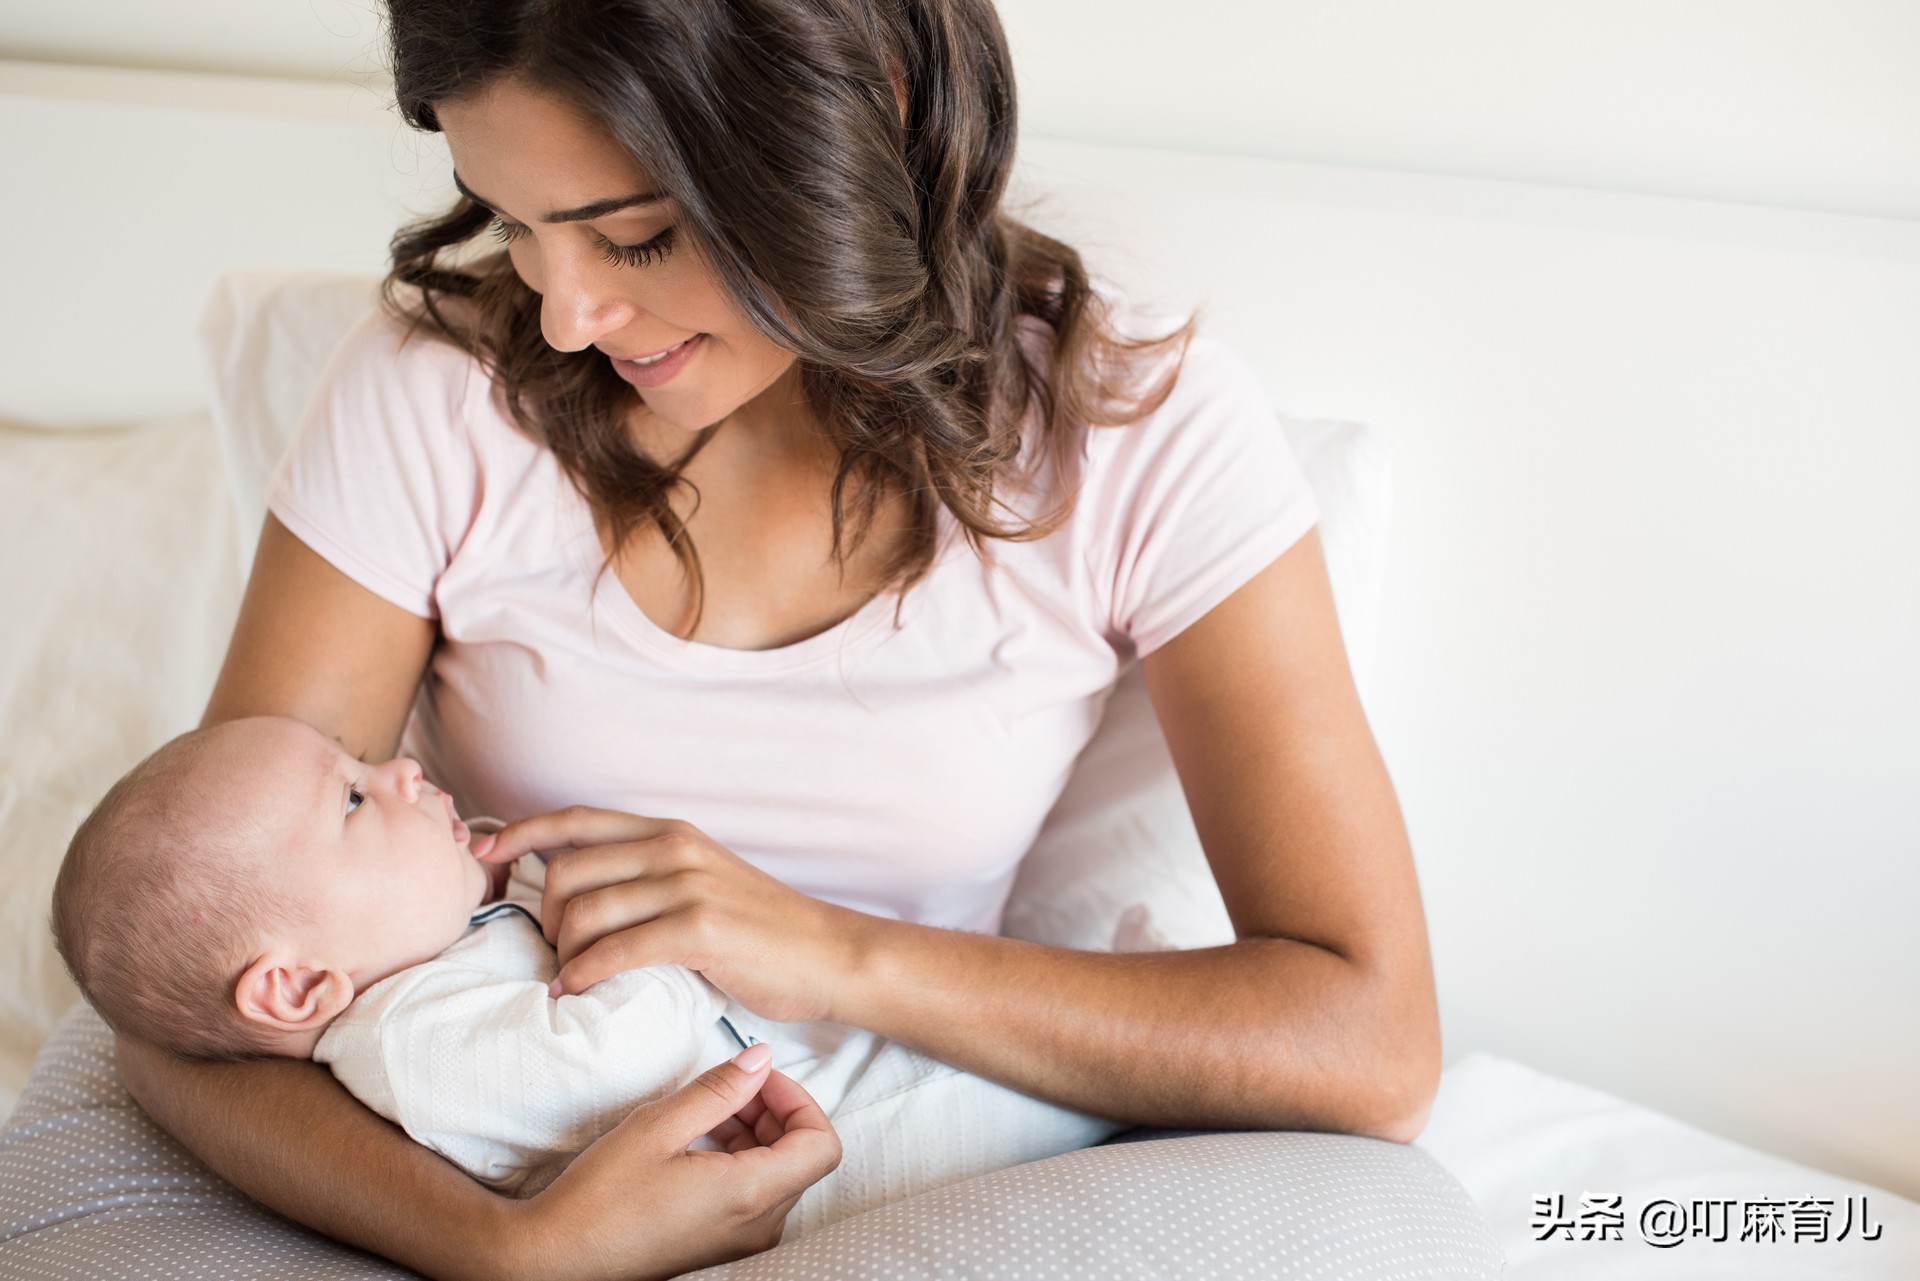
[91, 1189]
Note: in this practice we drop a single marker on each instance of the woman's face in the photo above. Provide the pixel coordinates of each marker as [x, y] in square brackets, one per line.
[587, 232]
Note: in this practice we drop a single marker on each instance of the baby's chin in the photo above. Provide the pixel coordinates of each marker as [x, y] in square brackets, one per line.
[487, 890]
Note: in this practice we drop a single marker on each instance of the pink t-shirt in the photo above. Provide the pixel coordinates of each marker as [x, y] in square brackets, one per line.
[898, 772]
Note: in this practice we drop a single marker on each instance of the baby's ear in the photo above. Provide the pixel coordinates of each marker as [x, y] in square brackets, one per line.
[292, 996]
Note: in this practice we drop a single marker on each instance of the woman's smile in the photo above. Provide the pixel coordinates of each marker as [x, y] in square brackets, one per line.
[661, 367]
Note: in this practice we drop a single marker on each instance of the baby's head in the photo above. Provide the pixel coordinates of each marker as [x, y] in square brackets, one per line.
[232, 894]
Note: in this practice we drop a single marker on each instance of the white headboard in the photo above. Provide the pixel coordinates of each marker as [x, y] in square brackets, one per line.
[1646, 675]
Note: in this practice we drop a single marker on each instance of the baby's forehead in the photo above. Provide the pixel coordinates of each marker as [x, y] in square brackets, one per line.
[288, 765]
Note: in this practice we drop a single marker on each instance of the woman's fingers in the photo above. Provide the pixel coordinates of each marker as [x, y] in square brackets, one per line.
[791, 1146]
[797, 1159]
[793, 1123]
[758, 1125]
[789, 1104]
[666, 939]
[709, 1100]
[575, 827]
[733, 1134]
[598, 874]
[586, 919]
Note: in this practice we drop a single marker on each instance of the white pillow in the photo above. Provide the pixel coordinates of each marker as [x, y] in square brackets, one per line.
[266, 336]
[121, 592]
[1118, 865]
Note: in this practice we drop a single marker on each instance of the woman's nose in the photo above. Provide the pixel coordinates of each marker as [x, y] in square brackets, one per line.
[579, 307]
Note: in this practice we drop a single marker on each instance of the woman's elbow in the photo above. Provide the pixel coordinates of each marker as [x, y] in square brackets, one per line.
[1403, 1060]
[1409, 1078]
[1410, 1122]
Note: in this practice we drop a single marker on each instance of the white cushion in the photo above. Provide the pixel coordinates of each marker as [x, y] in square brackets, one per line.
[91, 1190]
[121, 589]
[1118, 865]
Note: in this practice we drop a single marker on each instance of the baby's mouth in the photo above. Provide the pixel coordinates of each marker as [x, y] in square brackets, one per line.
[461, 832]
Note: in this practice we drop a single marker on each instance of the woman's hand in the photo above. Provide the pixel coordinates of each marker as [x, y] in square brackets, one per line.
[638, 1194]
[625, 892]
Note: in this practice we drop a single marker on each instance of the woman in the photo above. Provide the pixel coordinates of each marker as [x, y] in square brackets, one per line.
[823, 419]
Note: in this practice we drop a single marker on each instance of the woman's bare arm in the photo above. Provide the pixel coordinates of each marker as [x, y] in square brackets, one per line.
[1321, 1016]
[285, 1133]
[313, 644]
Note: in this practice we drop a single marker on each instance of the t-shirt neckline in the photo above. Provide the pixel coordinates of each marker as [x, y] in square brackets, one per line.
[611, 601]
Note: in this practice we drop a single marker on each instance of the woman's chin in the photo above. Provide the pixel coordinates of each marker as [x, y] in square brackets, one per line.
[675, 414]
[671, 422]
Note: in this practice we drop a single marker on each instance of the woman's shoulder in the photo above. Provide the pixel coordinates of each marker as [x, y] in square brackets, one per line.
[402, 442]
[1197, 388]
[1186, 501]
[393, 371]
[404, 349]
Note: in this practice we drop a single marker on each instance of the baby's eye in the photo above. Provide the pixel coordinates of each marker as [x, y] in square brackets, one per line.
[354, 797]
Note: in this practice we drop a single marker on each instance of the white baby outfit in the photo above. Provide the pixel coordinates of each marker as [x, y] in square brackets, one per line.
[471, 1057]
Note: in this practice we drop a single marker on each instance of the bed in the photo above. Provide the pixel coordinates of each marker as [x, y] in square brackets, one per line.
[129, 470]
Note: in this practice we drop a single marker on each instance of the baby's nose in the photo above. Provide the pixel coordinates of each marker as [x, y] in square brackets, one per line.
[408, 777]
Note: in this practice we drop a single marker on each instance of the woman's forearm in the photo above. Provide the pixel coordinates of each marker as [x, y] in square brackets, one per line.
[1264, 1033]
[285, 1133]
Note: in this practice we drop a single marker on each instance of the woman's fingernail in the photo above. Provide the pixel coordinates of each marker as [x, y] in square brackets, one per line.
[481, 844]
[754, 1057]
[553, 989]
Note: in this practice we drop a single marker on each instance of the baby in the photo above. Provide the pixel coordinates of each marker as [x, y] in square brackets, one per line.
[252, 890]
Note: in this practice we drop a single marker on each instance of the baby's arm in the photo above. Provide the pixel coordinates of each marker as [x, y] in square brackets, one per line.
[487, 1070]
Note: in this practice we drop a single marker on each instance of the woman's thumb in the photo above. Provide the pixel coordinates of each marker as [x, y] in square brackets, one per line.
[714, 1095]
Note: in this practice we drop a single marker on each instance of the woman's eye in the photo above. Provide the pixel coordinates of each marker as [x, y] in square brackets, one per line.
[507, 231]
[640, 255]
[354, 797]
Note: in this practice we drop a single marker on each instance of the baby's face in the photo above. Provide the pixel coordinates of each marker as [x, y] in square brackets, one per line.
[375, 851]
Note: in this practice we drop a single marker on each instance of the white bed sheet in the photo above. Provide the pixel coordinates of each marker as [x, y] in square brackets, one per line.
[1510, 1134]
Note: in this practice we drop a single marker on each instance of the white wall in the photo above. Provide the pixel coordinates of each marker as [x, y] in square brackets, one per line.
[1807, 103]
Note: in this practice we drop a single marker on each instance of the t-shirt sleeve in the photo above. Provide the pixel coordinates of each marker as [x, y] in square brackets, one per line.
[382, 479]
[1194, 500]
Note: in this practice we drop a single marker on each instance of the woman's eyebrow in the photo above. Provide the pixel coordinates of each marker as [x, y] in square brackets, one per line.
[585, 213]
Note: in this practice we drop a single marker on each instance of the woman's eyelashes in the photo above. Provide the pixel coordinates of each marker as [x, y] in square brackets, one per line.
[646, 252]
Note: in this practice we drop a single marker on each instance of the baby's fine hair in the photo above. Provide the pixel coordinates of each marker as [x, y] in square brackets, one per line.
[160, 902]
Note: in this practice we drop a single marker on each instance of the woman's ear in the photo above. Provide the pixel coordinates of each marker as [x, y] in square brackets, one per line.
[292, 996]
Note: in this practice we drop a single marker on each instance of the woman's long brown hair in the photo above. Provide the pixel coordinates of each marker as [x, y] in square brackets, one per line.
[877, 251]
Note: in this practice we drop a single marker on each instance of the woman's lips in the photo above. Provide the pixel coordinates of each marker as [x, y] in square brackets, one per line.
[659, 372]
